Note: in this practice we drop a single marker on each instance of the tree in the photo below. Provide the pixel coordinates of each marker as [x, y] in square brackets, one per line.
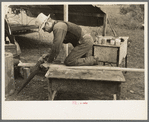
[136, 12]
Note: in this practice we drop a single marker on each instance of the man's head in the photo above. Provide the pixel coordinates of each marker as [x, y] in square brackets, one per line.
[44, 22]
[48, 26]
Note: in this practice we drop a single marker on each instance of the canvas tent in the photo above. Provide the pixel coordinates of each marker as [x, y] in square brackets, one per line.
[86, 15]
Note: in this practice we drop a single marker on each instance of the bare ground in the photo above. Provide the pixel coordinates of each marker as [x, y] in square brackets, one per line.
[133, 89]
[32, 48]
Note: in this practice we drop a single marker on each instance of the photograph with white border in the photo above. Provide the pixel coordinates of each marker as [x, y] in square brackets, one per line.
[74, 60]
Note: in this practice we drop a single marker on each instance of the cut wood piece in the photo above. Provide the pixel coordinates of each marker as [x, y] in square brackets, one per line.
[61, 66]
[46, 65]
[26, 64]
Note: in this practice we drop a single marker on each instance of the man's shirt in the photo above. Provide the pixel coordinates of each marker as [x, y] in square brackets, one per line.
[64, 32]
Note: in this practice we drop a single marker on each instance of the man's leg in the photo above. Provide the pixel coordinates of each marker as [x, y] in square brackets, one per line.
[75, 56]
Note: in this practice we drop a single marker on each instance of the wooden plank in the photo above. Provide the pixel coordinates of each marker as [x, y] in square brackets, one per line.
[96, 67]
[93, 75]
[26, 64]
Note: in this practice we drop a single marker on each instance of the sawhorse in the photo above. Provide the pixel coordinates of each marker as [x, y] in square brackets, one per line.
[63, 77]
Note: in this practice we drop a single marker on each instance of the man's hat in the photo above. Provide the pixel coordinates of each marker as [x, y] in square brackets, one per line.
[41, 20]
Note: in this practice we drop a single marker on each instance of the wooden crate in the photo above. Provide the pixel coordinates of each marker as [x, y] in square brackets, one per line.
[111, 53]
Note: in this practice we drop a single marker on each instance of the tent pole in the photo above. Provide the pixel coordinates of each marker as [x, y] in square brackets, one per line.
[66, 19]
[104, 24]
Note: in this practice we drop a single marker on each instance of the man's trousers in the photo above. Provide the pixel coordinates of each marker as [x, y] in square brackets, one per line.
[79, 54]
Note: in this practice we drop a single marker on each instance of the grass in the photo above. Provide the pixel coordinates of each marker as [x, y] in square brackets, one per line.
[126, 26]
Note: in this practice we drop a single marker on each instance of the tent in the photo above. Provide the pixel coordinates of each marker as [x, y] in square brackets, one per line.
[86, 15]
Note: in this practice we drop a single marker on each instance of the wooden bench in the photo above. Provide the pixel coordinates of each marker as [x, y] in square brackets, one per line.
[99, 81]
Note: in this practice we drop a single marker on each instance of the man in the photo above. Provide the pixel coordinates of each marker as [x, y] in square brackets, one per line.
[64, 32]
[67, 32]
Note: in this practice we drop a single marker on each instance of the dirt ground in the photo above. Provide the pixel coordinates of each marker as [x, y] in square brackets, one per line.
[32, 48]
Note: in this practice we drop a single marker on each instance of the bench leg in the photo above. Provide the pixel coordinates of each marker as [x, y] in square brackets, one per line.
[118, 91]
[117, 94]
[51, 94]
[114, 97]
[49, 89]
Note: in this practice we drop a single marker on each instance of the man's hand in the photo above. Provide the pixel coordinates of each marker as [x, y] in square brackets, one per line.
[44, 58]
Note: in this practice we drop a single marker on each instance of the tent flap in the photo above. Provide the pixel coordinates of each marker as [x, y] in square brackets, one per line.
[86, 15]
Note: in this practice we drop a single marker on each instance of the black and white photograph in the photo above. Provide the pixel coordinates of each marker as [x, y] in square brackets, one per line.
[70, 56]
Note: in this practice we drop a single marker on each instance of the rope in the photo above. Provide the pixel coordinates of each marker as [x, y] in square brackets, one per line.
[112, 28]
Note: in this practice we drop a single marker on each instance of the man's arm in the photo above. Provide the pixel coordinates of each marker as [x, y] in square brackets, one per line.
[59, 32]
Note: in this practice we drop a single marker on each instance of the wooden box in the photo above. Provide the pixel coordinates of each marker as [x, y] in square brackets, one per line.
[11, 48]
[111, 53]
